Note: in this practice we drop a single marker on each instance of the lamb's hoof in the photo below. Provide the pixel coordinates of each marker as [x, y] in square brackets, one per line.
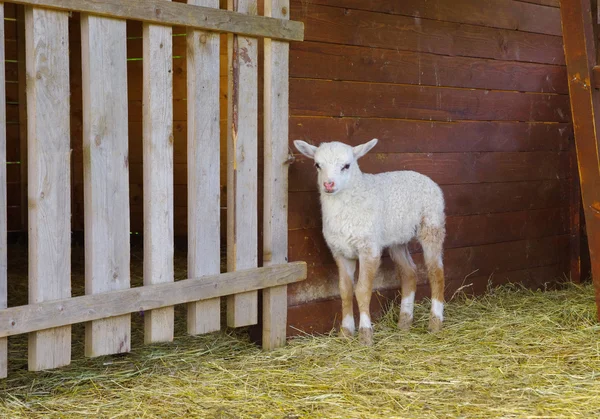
[435, 324]
[365, 336]
[345, 333]
[405, 321]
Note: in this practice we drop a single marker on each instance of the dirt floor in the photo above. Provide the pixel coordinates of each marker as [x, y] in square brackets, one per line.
[511, 353]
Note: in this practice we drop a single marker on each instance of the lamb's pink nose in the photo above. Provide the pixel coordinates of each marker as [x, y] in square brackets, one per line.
[329, 186]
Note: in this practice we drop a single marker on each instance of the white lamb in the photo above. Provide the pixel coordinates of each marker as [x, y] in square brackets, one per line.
[363, 214]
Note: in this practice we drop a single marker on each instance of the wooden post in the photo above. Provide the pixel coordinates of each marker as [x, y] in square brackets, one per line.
[106, 178]
[242, 155]
[275, 244]
[3, 219]
[49, 154]
[203, 145]
[580, 53]
[158, 173]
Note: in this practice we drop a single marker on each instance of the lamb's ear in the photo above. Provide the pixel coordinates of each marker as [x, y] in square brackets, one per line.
[361, 150]
[305, 148]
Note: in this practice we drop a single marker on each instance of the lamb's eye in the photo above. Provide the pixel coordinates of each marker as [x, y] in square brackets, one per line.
[318, 166]
[346, 166]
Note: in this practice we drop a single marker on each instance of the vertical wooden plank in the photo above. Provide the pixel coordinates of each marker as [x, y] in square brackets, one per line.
[242, 155]
[276, 114]
[3, 219]
[22, 74]
[580, 54]
[49, 167]
[204, 256]
[106, 178]
[158, 173]
[575, 219]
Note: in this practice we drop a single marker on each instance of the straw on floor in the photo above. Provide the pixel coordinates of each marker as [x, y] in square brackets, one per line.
[511, 353]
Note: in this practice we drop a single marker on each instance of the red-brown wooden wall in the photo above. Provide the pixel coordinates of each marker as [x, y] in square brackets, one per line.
[472, 93]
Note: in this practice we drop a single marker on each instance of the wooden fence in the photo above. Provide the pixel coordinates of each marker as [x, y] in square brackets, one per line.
[109, 300]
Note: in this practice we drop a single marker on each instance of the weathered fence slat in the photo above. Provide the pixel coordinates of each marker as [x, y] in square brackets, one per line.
[158, 173]
[275, 244]
[204, 256]
[106, 179]
[155, 11]
[3, 219]
[49, 195]
[27, 318]
[242, 155]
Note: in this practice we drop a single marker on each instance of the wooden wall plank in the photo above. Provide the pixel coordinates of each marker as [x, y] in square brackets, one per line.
[338, 25]
[414, 136]
[275, 222]
[242, 171]
[451, 168]
[505, 14]
[86, 308]
[3, 199]
[159, 324]
[47, 63]
[378, 100]
[203, 171]
[106, 177]
[366, 64]
[581, 53]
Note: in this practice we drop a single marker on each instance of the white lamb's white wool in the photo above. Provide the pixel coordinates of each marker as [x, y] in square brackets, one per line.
[348, 323]
[365, 321]
[370, 212]
[407, 305]
[437, 308]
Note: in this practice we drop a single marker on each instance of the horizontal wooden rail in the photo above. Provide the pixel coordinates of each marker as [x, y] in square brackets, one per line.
[170, 13]
[35, 317]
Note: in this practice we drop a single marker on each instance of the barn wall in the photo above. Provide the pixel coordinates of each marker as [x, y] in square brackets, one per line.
[471, 93]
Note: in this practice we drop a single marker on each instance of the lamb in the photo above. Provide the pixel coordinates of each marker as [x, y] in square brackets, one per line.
[365, 214]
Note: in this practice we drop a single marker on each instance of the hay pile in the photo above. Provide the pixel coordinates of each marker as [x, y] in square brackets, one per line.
[512, 353]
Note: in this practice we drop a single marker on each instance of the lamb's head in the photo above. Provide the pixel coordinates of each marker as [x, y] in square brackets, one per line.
[335, 162]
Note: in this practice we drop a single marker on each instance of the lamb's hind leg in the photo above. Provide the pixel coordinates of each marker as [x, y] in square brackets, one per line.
[346, 268]
[407, 272]
[432, 240]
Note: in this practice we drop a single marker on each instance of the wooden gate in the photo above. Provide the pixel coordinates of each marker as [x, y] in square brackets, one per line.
[109, 300]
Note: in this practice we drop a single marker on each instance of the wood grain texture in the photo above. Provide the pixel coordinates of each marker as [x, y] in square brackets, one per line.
[106, 177]
[156, 11]
[275, 191]
[158, 174]
[451, 168]
[378, 100]
[87, 308]
[366, 64]
[338, 25]
[504, 14]
[3, 199]
[581, 53]
[242, 170]
[47, 63]
[413, 136]
[203, 171]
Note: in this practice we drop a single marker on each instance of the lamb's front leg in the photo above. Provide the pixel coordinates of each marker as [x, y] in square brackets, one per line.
[364, 288]
[346, 268]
